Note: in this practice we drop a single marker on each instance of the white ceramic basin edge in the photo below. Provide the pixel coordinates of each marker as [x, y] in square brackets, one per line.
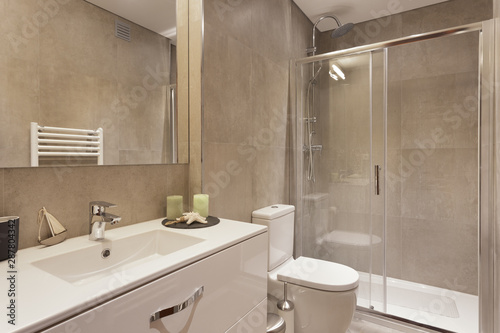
[109, 256]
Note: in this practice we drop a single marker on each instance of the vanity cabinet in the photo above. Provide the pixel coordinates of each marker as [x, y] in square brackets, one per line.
[225, 292]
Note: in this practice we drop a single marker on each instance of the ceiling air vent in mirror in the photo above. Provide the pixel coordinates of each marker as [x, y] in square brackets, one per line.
[122, 30]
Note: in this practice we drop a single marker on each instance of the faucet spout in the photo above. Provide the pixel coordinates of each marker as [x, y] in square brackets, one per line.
[110, 218]
[98, 219]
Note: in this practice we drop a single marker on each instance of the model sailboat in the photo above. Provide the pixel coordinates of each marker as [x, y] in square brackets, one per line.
[57, 230]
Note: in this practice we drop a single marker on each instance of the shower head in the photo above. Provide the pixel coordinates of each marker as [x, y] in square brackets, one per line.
[340, 31]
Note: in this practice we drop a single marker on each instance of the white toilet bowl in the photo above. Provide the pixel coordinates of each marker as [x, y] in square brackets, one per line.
[323, 293]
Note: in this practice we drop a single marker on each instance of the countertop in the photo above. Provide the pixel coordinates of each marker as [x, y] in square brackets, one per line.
[42, 299]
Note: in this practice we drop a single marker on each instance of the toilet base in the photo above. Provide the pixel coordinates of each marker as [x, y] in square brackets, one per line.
[316, 311]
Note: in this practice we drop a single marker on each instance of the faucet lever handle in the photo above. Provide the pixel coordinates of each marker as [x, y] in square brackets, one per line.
[99, 207]
[102, 204]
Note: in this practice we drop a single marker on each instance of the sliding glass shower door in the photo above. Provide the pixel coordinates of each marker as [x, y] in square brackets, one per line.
[342, 216]
[388, 174]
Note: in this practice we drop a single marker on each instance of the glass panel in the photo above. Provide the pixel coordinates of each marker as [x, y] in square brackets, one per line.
[412, 110]
[337, 165]
[432, 182]
[378, 194]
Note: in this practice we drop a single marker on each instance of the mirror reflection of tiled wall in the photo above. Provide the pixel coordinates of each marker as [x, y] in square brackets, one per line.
[66, 68]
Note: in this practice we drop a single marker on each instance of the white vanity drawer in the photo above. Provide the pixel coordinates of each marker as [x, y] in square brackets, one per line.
[254, 322]
[234, 281]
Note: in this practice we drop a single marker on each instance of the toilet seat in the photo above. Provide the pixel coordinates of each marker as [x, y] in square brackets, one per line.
[318, 274]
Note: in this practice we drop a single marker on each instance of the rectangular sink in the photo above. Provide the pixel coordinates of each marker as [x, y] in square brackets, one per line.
[109, 256]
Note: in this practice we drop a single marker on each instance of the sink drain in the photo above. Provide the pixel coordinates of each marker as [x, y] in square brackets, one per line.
[105, 253]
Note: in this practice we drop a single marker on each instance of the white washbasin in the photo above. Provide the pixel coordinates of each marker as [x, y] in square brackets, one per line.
[114, 255]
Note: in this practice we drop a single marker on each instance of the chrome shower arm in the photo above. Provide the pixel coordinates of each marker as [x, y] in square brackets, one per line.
[341, 29]
[313, 48]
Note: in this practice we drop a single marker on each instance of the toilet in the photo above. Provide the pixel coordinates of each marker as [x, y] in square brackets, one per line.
[323, 292]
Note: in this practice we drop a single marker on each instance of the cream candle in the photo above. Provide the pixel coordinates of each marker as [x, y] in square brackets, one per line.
[200, 204]
[174, 206]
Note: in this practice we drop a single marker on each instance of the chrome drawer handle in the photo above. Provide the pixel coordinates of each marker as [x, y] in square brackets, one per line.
[177, 308]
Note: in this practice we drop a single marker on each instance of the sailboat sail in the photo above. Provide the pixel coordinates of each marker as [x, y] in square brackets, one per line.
[55, 226]
[57, 230]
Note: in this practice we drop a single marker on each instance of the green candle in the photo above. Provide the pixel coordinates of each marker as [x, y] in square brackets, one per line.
[174, 207]
[200, 204]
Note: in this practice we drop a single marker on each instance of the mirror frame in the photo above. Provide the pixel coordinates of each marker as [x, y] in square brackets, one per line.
[196, 38]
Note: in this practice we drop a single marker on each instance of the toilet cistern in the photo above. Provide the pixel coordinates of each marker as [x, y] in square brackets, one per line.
[323, 292]
[98, 219]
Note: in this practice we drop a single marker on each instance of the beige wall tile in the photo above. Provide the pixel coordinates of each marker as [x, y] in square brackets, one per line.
[466, 188]
[139, 192]
[269, 177]
[394, 182]
[301, 33]
[227, 89]
[394, 241]
[216, 117]
[146, 53]
[142, 127]
[246, 102]
[448, 55]
[275, 17]
[445, 261]
[228, 172]
[138, 157]
[233, 18]
[68, 99]
[269, 102]
[70, 39]
[394, 114]
[445, 15]
[19, 105]
[440, 111]
[20, 37]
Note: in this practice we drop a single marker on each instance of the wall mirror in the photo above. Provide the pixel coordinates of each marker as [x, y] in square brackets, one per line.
[91, 82]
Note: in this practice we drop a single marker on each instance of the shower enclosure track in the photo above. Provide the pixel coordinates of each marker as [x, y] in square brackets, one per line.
[395, 42]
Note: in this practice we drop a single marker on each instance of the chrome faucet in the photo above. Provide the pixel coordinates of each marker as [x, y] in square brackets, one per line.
[98, 219]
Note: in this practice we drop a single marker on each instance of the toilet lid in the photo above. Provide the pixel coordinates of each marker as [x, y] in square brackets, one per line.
[319, 274]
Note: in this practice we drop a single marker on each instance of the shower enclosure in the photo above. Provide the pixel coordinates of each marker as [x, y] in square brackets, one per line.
[393, 173]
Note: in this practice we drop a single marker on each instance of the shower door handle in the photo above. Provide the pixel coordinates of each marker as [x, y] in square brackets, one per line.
[377, 179]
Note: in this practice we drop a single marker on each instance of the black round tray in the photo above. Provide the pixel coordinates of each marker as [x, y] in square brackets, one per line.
[211, 221]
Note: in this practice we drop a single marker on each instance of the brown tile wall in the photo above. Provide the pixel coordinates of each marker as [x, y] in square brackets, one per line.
[246, 102]
[138, 191]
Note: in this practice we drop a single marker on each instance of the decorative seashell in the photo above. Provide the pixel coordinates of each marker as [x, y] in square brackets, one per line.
[193, 217]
